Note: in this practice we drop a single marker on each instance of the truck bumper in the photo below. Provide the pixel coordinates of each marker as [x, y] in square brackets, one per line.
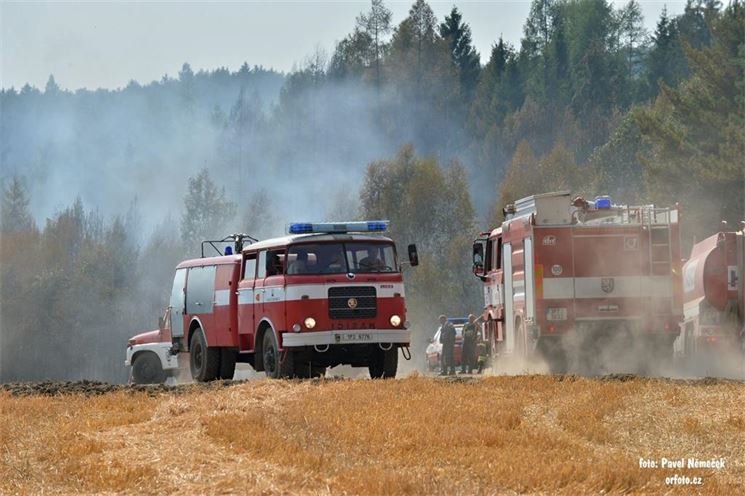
[322, 338]
[167, 360]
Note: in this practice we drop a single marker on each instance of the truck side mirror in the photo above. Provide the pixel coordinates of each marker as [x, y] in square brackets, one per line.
[161, 323]
[478, 258]
[413, 255]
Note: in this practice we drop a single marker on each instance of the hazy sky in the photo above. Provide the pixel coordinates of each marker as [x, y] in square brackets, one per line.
[106, 44]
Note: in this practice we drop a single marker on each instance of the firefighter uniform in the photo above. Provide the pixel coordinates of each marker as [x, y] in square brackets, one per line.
[483, 352]
[468, 355]
[447, 339]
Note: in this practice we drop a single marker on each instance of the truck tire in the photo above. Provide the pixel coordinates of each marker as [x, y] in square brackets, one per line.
[552, 353]
[277, 365]
[228, 357]
[204, 360]
[147, 369]
[383, 364]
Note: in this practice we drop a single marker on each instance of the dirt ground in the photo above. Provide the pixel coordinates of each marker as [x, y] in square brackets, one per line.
[418, 435]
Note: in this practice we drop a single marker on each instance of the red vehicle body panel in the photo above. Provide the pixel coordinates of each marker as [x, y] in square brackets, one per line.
[566, 273]
[714, 295]
[232, 310]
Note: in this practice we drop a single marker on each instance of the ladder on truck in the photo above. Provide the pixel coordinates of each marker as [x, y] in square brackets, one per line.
[658, 221]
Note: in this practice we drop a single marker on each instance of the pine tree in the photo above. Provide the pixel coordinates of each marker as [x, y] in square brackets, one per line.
[376, 24]
[353, 56]
[696, 132]
[422, 23]
[51, 88]
[633, 33]
[464, 55]
[15, 216]
[666, 62]
[206, 211]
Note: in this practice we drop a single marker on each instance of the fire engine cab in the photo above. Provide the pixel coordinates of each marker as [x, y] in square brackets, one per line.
[714, 294]
[564, 278]
[324, 295]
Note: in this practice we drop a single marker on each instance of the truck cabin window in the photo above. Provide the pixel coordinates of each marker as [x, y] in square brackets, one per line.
[341, 258]
[275, 263]
[249, 266]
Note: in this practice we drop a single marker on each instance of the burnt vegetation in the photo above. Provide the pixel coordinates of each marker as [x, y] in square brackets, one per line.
[104, 191]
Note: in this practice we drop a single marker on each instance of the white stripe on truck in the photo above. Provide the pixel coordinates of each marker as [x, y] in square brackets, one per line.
[555, 288]
[296, 292]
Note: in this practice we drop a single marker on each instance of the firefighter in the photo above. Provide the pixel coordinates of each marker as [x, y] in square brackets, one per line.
[468, 355]
[447, 339]
[482, 350]
[371, 262]
[300, 265]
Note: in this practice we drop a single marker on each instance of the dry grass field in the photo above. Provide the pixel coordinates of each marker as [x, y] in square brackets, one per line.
[492, 435]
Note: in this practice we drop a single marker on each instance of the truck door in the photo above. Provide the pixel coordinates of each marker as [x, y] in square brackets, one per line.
[273, 297]
[247, 303]
[200, 298]
[529, 279]
[176, 304]
[509, 312]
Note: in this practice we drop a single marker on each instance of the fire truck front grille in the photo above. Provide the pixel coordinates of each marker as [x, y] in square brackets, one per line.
[353, 302]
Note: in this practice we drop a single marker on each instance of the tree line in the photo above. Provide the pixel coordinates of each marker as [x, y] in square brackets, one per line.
[402, 121]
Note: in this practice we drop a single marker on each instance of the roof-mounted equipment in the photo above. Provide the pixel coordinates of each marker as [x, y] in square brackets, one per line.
[338, 227]
[237, 240]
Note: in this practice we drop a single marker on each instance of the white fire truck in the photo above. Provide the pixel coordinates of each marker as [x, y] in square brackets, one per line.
[714, 308]
[566, 279]
[326, 294]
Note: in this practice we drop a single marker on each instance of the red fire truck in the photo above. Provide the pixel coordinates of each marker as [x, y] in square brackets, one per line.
[568, 279]
[326, 294]
[714, 308]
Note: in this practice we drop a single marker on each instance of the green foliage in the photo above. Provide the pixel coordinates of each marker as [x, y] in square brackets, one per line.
[587, 102]
[529, 175]
[353, 56]
[619, 171]
[666, 62]
[375, 25]
[696, 132]
[68, 297]
[458, 35]
[14, 212]
[428, 205]
[206, 211]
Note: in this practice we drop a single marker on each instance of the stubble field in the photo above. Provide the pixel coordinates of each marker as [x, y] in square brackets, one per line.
[418, 435]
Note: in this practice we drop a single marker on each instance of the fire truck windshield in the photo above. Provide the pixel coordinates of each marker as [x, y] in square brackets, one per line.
[341, 258]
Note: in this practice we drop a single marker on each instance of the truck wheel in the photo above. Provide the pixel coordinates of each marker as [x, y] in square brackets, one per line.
[550, 350]
[277, 365]
[383, 364]
[227, 363]
[147, 369]
[204, 361]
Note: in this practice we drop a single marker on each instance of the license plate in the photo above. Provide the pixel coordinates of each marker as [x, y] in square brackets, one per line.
[554, 314]
[353, 337]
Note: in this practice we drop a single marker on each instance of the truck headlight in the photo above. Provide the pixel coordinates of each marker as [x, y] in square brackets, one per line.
[296, 328]
[395, 320]
[310, 322]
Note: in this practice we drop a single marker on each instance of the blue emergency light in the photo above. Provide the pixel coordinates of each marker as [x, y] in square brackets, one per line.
[338, 227]
[300, 228]
[603, 202]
